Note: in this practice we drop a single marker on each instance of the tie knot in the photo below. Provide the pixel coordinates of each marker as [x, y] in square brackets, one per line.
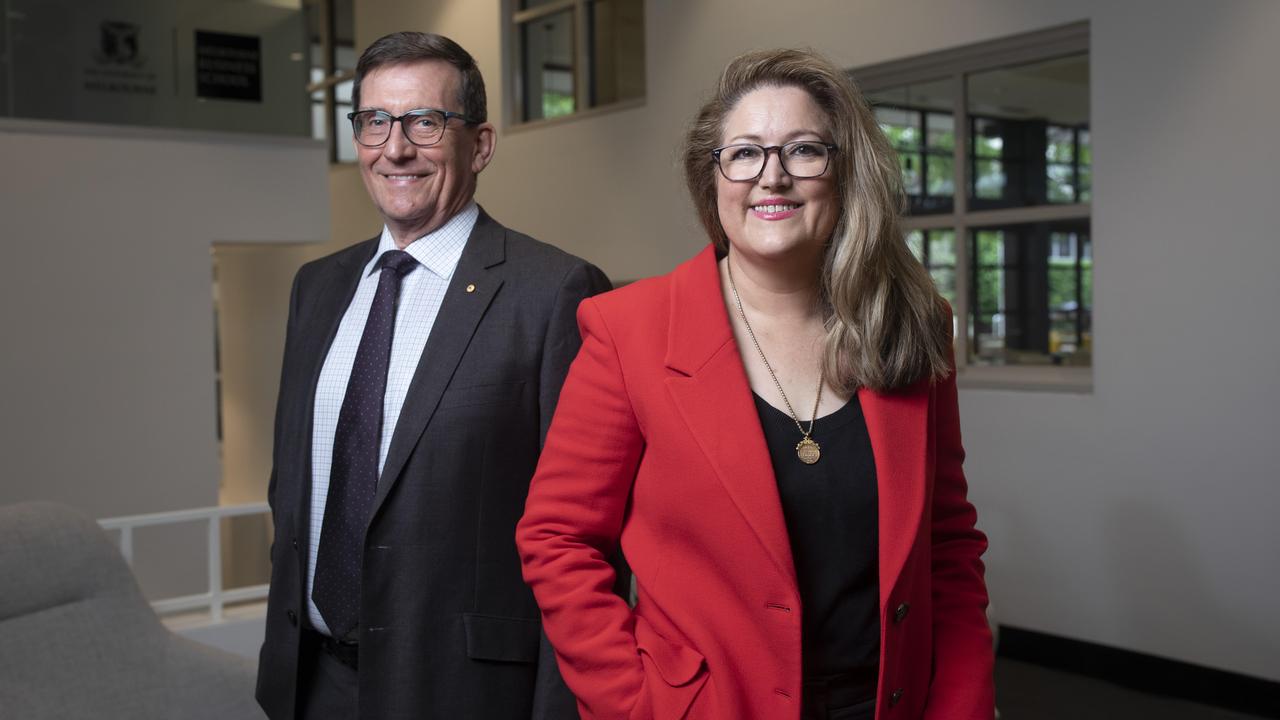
[398, 260]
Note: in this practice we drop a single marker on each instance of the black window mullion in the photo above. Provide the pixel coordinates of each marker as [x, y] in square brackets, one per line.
[1081, 239]
[1075, 167]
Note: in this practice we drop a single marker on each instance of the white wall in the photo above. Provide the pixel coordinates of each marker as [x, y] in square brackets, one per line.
[253, 302]
[1140, 516]
[107, 308]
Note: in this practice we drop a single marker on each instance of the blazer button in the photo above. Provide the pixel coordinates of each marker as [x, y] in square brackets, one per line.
[895, 696]
[901, 613]
[295, 543]
[293, 618]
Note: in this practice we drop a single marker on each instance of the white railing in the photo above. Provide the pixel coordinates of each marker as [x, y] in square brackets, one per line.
[216, 598]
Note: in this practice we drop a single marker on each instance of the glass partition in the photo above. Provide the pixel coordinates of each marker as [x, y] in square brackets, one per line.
[222, 65]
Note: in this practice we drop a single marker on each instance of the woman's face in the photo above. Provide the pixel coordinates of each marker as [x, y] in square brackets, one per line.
[777, 215]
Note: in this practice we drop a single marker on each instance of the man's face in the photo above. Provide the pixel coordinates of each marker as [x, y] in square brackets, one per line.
[417, 189]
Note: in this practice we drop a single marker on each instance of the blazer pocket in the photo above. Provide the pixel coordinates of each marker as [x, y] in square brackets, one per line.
[682, 671]
[492, 394]
[502, 639]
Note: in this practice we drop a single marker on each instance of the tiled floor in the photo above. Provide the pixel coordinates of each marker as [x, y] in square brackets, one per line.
[1031, 692]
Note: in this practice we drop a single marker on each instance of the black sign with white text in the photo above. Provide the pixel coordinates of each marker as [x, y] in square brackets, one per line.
[228, 67]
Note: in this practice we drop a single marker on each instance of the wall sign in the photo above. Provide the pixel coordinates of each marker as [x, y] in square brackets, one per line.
[228, 67]
[119, 64]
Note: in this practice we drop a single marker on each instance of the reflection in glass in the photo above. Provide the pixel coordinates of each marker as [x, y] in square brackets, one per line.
[1029, 134]
[989, 179]
[936, 250]
[1031, 301]
[919, 122]
[331, 37]
[344, 142]
[616, 50]
[549, 89]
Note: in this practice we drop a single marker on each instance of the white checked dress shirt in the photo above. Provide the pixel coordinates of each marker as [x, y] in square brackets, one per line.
[421, 293]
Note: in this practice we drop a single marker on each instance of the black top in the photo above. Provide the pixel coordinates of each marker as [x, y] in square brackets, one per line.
[831, 512]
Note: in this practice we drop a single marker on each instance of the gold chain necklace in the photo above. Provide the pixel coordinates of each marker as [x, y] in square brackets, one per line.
[807, 450]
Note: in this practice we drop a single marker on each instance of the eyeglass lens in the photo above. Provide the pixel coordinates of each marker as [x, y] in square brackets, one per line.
[373, 127]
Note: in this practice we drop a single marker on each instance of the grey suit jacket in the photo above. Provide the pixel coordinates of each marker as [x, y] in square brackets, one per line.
[448, 627]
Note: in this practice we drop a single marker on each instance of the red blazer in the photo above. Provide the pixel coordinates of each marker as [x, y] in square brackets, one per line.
[656, 444]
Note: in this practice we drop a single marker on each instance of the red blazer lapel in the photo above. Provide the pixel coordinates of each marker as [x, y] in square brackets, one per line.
[713, 397]
[897, 424]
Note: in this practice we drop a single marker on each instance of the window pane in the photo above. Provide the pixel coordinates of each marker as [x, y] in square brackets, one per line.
[918, 121]
[936, 250]
[910, 163]
[942, 247]
[942, 131]
[1059, 145]
[1031, 298]
[344, 34]
[988, 141]
[945, 280]
[548, 80]
[318, 129]
[989, 179]
[344, 57]
[344, 141]
[1085, 152]
[342, 92]
[1030, 118]
[617, 50]
[942, 175]
[1061, 183]
[902, 127]
[316, 75]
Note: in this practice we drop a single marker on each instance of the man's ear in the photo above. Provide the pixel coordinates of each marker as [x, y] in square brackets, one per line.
[486, 142]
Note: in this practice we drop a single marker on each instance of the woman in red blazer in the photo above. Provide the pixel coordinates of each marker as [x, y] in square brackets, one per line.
[839, 578]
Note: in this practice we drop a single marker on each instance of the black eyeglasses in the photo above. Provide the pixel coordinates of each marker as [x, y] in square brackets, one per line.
[800, 159]
[422, 127]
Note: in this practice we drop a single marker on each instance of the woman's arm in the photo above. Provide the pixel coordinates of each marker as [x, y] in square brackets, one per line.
[963, 657]
[572, 522]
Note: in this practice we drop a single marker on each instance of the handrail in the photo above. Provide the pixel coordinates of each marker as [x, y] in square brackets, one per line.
[216, 598]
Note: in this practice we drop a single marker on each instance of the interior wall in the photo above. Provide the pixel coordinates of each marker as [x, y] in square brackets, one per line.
[254, 280]
[107, 304]
[1139, 516]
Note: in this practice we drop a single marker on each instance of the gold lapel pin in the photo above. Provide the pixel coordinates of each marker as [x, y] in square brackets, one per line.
[471, 288]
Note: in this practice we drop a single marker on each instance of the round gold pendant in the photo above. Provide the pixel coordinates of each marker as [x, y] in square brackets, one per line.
[808, 451]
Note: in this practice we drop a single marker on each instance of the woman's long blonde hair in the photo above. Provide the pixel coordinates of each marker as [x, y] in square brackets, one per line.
[887, 327]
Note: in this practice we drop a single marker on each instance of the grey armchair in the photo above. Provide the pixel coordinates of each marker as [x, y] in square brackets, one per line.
[78, 640]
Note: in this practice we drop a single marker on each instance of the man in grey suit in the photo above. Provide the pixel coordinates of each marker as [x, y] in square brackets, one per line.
[421, 370]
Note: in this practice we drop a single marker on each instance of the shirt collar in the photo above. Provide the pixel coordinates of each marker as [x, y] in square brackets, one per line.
[439, 250]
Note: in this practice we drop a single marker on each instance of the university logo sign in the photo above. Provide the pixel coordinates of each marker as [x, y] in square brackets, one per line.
[118, 44]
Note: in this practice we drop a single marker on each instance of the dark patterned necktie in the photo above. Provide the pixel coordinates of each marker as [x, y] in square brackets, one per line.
[353, 476]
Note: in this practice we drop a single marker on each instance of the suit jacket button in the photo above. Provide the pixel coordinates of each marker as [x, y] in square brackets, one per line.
[293, 618]
[295, 543]
[901, 613]
[895, 696]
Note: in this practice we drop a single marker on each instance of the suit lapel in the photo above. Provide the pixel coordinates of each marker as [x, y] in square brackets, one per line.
[456, 323]
[898, 425]
[714, 400]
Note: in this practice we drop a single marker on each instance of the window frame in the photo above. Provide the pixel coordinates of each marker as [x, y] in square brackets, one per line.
[333, 76]
[954, 66]
[583, 70]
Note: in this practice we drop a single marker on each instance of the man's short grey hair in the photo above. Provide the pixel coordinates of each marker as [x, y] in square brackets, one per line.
[409, 47]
